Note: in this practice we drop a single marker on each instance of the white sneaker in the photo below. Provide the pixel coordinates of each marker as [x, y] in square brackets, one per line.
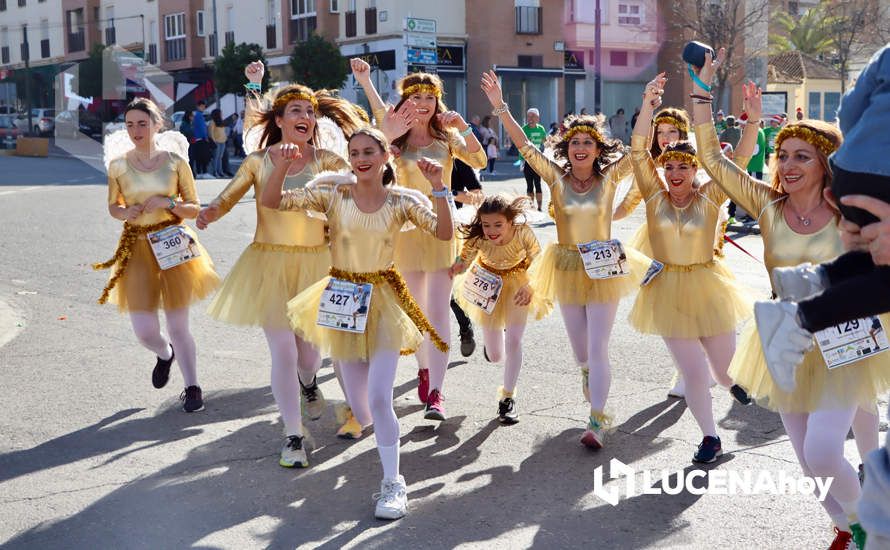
[392, 500]
[784, 341]
[799, 282]
[293, 454]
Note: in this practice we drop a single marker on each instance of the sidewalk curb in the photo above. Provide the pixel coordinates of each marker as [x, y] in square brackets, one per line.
[11, 324]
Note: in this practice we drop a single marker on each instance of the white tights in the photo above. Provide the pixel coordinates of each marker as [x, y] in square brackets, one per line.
[866, 425]
[432, 291]
[369, 387]
[589, 327]
[692, 355]
[293, 360]
[496, 340]
[147, 327]
[818, 441]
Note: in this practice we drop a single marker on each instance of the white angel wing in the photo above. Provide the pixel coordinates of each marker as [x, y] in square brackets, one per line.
[331, 137]
[174, 142]
[252, 139]
[118, 144]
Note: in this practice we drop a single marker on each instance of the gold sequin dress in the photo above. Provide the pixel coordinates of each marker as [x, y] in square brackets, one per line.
[511, 262]
[580, 218]
[415, 249]
[144, 286]
[361, 242]
[289, 251]
[856, 384]
[695, 295]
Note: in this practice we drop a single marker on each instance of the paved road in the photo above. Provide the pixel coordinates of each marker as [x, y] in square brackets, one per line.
[93, 457]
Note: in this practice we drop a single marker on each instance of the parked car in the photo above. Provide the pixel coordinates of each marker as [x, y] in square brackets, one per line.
[42, 121]
[8, 132]
[70, 124]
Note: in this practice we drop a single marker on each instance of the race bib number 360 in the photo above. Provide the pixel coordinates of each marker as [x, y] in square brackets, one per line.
[173, 246]
[482, 288]
[851, 341]
[603, 259]
[345, 305]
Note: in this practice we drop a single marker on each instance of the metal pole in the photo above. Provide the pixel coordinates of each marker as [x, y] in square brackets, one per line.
[26, 51]
[597, 61]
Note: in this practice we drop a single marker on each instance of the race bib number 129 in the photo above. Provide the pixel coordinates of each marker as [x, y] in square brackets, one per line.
[851, 341]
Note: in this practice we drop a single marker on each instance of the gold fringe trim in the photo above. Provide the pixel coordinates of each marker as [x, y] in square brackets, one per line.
[690, 267]
[599, 421]
[718, 250]
[521, 267]
[394, 279]
[125, 250]
[268, 247]
[680, 156]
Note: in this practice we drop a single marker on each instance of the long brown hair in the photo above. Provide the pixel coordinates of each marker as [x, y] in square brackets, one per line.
[389, 174]
[672, 112]
[826, 130]
[435, 127]
[495, 204]
[607, 147]
[347, 116]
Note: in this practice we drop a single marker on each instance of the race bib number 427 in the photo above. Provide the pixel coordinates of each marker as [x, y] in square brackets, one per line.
[344, 305]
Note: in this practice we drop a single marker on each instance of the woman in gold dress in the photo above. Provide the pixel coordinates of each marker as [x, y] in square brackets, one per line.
[151, 190]
[582, 193]
[365, 214]
[440, 135]
[289, 251]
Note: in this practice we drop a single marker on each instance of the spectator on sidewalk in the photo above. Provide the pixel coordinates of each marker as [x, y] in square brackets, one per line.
[536, 134]
[719, 122]
[218, 136]
[238, 135]
[731, 134]
[186, 129]
[202, 142]
[618, 126]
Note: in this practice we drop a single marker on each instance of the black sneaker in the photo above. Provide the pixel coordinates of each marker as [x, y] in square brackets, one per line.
[507, 411]
[313, 401]
[739, 394]
[191, 399]
[467, 342]
[861, 474]
[708, 450]
[161, 373]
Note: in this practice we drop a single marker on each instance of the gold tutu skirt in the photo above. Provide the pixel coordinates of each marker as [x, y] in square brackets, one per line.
[559, 276]
[417, 250]
[505, 311]
[691, 302]
[146, 287]
[265, 277]
[388, 327]
[855, 384]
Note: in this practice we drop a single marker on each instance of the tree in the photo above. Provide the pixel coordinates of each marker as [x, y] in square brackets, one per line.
[808, 34]
[853, 27]
[228, 67]
[721, 24]
[318, 64]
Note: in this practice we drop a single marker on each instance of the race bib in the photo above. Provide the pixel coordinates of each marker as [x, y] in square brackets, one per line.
[173, 246]
[654, 269]
[482, 288]
[603, 259]
[851, 341]
[345, 305]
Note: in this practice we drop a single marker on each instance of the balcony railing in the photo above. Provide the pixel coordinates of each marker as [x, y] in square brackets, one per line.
[230, 37]
[153, 54]
[110, 35]
[350, 23]
[44, 48]
[76, 41]
[271, 37]
[175, 48]
[370, 20]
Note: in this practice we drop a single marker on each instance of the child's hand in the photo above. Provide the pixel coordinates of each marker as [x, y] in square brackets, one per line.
[456, 269]
[523, 296]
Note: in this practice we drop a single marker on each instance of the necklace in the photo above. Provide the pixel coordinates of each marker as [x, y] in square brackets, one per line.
[579, 184]
[806, 219]
[145, 165]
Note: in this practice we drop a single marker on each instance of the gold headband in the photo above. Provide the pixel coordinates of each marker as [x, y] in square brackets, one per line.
[583, 129]
[673, 121]
[812, 137]
[284, 99]
[682, 156]
[422, 88]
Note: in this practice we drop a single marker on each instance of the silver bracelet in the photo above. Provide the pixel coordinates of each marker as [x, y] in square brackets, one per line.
[443, 194]
[501, 110]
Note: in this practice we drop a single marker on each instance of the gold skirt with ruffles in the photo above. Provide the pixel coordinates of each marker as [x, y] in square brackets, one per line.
[505, 311]
[559, 276]
[388, 327]
[855, 384]
[691, 302]
[144, 286]
[417, 250]
[265, 277]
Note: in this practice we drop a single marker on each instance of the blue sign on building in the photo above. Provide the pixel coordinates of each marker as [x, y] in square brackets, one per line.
[422, 56]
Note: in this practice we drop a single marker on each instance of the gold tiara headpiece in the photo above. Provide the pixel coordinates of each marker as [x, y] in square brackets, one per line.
[673, 121]
[681, 156]
[583, 129]
[422, 88]
[284, 99]
[812, 137]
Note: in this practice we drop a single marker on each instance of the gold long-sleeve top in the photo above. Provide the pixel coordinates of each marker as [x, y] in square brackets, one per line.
[679, 235]
[782, 246]
[361, 242]
[580, 217]
[443, 152]
[274, 226]
[523, 245]
[129, 186]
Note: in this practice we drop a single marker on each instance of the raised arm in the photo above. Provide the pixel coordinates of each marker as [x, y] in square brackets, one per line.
[492, 88]
[362, 73]
[754, 108]
[744, 190]
[645, 173]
